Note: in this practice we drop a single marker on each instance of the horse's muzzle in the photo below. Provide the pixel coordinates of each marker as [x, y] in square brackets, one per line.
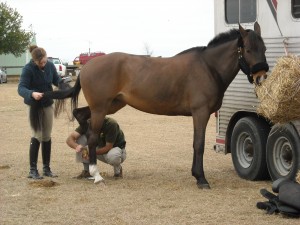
[258, 72]
[259, 77]
[259, 67]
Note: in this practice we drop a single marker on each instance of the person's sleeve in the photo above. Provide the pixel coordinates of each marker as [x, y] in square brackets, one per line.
[24, 86]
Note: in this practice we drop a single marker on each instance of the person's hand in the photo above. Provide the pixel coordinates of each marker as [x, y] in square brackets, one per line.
[37, 95]
[78, 148]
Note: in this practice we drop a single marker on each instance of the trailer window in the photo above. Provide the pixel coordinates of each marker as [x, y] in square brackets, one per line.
[296, 8]
[243, 11]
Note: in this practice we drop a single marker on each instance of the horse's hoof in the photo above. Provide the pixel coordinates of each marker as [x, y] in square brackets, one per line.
[98, 179]
[101, 183]
[203, 186]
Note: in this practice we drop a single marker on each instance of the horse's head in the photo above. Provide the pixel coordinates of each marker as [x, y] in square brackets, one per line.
[252, 59]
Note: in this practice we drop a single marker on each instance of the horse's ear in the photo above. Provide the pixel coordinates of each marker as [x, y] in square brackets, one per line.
[257, 28]
[243, 32]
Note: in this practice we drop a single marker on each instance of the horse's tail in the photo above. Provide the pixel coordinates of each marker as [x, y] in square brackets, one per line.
[35, 116]
[77, 88]
[63, 93]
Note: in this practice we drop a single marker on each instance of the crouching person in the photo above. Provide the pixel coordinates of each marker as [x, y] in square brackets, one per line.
[110, 149]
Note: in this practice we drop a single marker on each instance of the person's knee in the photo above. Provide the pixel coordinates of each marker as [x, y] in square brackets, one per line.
[123, 157]
[114, 161]
[114, 157]
[46, 139]
[42, 138]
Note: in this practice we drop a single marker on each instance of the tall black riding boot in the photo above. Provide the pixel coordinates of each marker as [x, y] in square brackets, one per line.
[33, 157]
[46, 154]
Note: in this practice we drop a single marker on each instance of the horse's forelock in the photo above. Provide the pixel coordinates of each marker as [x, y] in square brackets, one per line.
[254, 40]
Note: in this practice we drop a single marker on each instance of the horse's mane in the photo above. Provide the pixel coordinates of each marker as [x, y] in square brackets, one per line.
[198, 49]
[217, 40]
[224, 37]
[232, 35]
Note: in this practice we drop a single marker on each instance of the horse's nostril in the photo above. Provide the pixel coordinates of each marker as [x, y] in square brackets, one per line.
[263, 78]
[260, 79]
[257, 81]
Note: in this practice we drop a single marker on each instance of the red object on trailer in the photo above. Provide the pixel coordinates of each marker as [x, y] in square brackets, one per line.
[83, 58]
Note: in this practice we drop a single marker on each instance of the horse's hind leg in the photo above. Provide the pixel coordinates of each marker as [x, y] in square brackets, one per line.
[116, 105]
[200, 120]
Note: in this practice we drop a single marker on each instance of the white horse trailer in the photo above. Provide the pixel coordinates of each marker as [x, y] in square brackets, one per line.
[259, 150]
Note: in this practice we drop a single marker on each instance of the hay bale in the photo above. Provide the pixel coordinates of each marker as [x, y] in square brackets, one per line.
[279, 94]
[298, 177]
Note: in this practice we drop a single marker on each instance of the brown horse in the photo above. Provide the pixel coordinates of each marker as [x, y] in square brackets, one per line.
[192, 83]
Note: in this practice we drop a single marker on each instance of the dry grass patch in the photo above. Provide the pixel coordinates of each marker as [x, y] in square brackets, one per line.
[43, 183]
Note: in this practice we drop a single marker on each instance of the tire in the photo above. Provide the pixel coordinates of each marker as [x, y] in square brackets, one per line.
[248, 148]
[283, 152]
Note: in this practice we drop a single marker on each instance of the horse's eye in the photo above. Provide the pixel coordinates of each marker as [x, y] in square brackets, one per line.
[248, 50]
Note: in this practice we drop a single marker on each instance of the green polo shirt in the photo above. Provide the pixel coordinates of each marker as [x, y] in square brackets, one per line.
[110, 132]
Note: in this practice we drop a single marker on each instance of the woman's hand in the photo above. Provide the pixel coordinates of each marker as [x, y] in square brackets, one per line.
[37, 95]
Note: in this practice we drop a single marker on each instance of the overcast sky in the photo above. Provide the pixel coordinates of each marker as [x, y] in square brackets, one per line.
[65, 28]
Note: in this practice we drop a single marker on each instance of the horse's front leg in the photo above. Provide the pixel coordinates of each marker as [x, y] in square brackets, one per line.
[92, 143]
[200, 120]
[93, 169]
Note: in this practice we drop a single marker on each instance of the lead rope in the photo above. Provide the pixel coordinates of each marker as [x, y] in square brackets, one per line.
[285, 44]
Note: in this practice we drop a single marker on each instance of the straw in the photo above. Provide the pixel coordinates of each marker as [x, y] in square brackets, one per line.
[279, 94]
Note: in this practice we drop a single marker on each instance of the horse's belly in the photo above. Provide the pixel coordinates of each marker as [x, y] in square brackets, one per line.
[154, 106]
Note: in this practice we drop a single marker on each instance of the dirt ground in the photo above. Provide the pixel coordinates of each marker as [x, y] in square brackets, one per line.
[157, 187]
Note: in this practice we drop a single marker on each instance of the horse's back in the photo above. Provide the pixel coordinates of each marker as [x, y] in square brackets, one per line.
[133, 69]
[151, 84]
[110, 64]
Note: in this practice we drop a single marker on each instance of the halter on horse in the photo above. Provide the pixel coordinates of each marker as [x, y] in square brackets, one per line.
[192, 83]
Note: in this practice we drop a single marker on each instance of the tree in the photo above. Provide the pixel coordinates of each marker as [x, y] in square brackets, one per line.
[13, 39]
[147, 49]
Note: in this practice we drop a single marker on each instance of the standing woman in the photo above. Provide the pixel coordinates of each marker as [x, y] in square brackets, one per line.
[37, 77]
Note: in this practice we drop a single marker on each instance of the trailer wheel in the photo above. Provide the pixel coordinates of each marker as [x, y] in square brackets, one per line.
[248, 148]
[283, 152]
